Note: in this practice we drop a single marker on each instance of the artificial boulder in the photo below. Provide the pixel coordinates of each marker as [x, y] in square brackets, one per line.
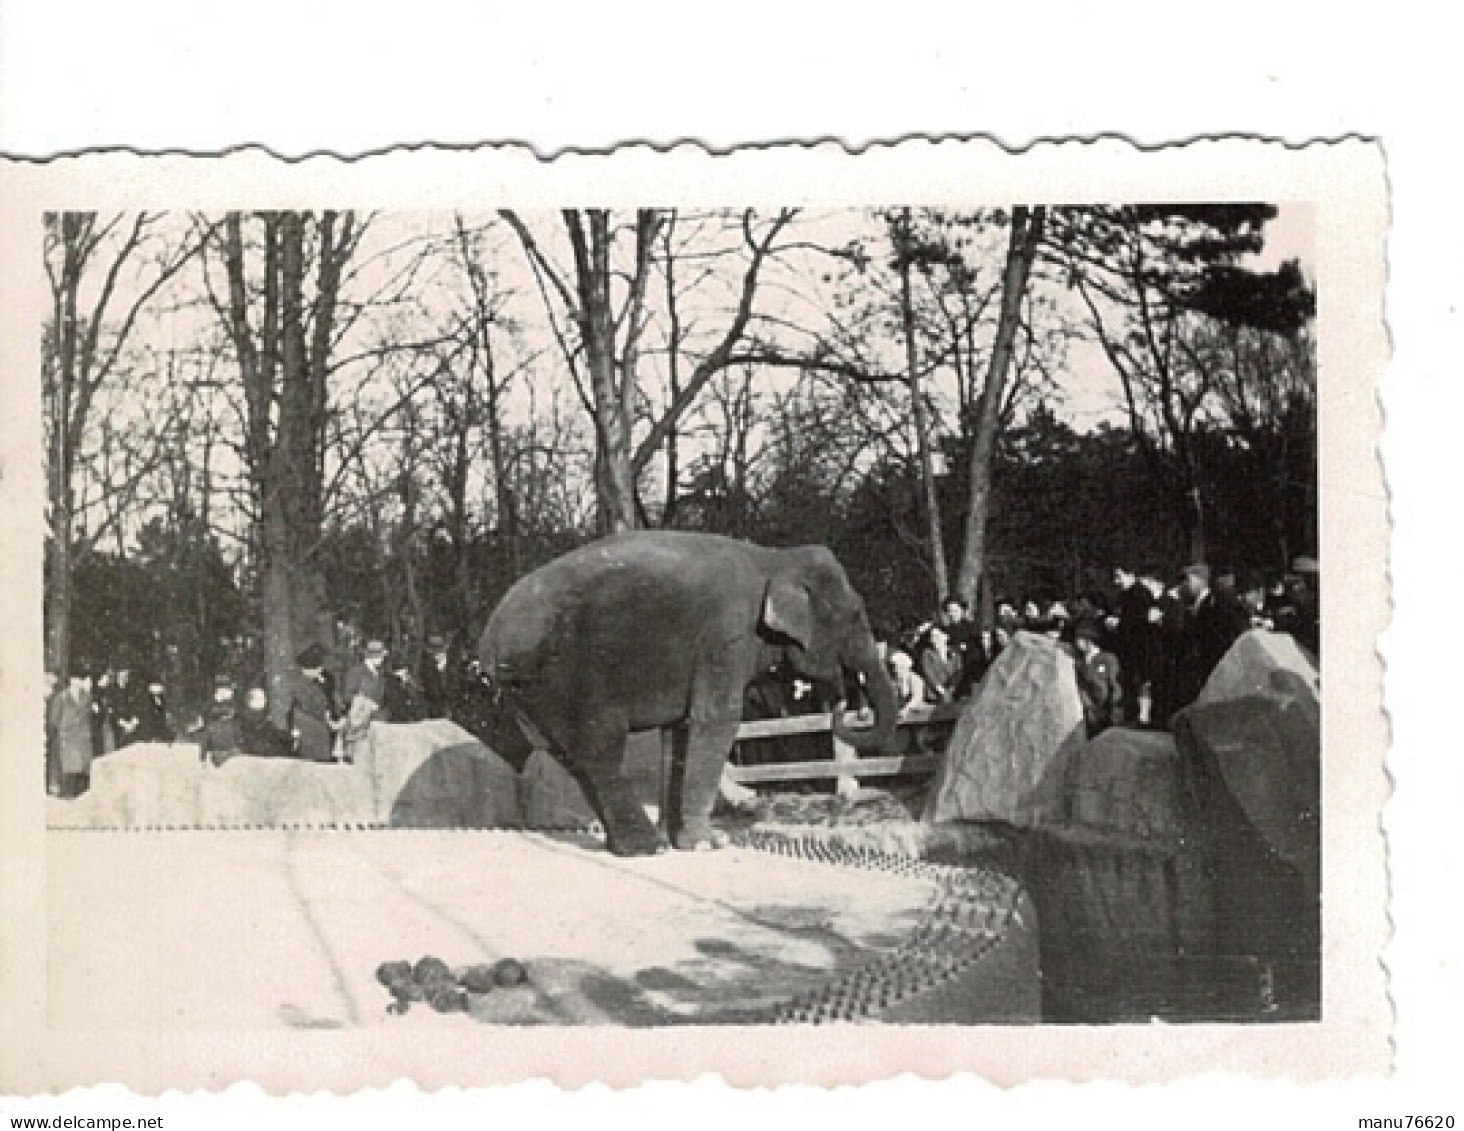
[420, 775]
[436, 775]
[147, 784]
[1251, 749]
[1010, 751]
[253, 792]
[1127, 782]
[1253, 737]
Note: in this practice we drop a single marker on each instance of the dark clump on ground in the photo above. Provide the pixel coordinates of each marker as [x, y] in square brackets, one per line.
[446, 990]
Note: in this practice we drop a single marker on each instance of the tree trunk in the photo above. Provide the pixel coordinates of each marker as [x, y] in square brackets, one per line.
[673, 376]
[614, 477]
[285, 392]
[276, 608]
[918, 415]
[1026, 235]
[58, 596]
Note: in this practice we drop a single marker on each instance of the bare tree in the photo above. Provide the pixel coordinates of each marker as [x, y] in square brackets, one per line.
[104, 273]
[1263, 398]
[907, 252]
[600, 309]
[1023, 242]
[279, 311]
[1142, 271]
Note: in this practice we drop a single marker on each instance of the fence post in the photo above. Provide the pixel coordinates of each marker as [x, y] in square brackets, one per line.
[846, 785]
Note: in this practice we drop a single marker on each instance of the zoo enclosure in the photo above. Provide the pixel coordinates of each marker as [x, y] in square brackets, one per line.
[846, 765]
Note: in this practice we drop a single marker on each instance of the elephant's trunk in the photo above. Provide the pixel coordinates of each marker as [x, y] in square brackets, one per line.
[863, 658]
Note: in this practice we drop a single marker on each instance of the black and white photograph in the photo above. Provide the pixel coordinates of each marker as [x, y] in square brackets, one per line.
[883, 613]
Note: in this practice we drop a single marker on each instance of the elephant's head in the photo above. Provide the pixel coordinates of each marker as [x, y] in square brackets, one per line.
[810, 603]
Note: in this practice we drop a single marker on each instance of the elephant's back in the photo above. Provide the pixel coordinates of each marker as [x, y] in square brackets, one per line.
[617, 588]
[518, 629]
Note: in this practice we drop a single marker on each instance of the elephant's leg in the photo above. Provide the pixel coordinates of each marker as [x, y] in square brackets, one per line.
[707, 747]
[599, 756]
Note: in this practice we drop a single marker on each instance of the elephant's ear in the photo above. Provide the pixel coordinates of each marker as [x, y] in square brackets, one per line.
[787, 608]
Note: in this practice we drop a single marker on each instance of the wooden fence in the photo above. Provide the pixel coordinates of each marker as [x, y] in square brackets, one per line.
[845, 765]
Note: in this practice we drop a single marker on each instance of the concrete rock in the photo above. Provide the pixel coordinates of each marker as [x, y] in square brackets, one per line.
[1254, 737]
[436, 775]
[278, 792]
[1128, 782]
[148, 784]
[1263, 663]
[420, 775]
[1009, 754]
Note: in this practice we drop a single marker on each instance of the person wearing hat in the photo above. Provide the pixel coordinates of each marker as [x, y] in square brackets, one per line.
[1129, 630]
[1211, 625]
[402, 702]
[70, 718]
[119, 709]
[1099, 679]
[1057, 624]
[221, 740]
[362, 693]
[312, 717]
[154, 717]
[1307, 592]
[436, 682]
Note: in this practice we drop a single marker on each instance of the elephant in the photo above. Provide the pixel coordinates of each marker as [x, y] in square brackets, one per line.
[665, 629]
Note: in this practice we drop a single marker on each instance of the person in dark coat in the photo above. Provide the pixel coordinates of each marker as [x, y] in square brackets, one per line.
[986, 645]
[363, 693]
[221, 736]
[1099, 679]
[1212, 623]
[940, 666]
[1008, 620]
[766, 696]
[313, 717]
[1129, 626]
[71, 721]
[966, 642]
[436, 680]
[366, 679]
[1307, 593]
[122, 706]
[104, 732]
[402, 702]
[257, 732]
[154, 717]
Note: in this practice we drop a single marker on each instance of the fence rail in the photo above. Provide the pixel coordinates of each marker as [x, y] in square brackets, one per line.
[845, 765]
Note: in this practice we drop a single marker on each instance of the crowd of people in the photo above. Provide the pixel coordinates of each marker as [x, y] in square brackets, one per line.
[1141, 651]
[326, 719]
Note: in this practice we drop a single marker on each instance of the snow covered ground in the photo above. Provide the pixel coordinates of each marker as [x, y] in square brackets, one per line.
[200, 930]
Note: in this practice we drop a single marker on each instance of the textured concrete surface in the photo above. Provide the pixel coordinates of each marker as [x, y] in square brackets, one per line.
[272, 929]
[419, 775]
[436, 775]
[1128, 782]
[1010, 749]
[1255, 735]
